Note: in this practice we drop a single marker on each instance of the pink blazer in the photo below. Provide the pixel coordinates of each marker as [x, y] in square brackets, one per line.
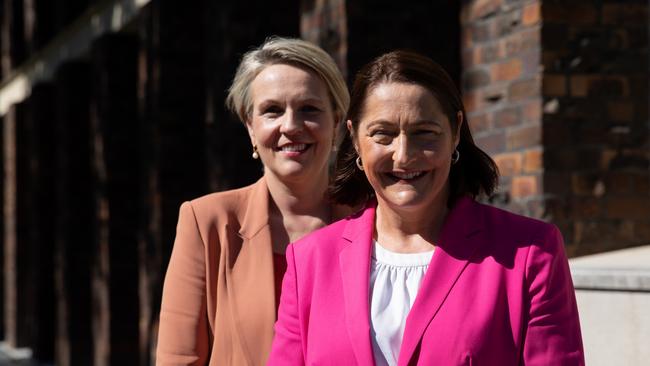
[497, 292]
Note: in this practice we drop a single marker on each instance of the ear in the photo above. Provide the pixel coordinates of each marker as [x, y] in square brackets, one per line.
[348, 124]
[459, 124]
[251, 133]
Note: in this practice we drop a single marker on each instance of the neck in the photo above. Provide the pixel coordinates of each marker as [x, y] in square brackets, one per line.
[409, 231]
[306, 197]
[297, 208]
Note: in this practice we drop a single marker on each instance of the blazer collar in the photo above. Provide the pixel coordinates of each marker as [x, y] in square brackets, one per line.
[453, 252]
[256, 215]
[250, 276]
[354, 263]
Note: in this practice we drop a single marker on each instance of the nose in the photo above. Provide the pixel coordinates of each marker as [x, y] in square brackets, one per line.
[404, 151]
[291, 123]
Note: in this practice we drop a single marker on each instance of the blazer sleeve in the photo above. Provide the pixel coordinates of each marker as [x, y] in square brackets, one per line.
[183, 334]
[287, 342]
[552, 336]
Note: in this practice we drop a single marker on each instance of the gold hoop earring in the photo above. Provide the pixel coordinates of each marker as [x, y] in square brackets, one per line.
[255, 154]
[455, 156]
[358, 161]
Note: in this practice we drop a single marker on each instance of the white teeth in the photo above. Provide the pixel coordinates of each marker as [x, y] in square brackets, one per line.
[404, 175]
[292, 148]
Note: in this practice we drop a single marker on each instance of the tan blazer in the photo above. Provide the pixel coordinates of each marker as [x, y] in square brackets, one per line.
[218, 302]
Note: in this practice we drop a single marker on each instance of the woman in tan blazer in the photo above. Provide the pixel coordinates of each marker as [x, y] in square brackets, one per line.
[222, 285]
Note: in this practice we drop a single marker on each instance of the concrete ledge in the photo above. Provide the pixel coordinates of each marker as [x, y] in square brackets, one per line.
[621, 270]
[613, 295]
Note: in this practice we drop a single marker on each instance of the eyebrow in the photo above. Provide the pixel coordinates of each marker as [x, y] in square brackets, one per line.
[423, 122]
[309, 99]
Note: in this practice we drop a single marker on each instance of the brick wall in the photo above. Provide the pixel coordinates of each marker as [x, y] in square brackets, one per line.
[595, 131]
[557, 93]
[501, 81]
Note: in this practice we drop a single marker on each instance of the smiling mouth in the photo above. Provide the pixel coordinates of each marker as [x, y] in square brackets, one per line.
[293, 148]
[406, 176]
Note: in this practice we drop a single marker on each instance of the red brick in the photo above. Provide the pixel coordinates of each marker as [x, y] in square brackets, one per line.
[531, 63]
[531, 14]
[522, 41]
[619, 111]
[585, 207]
[579, 85]
[493, 95]
[568, 12]
[585, 184]
[642, 231]
[628, 207]
[554, 85]
[641, 184]
[472, 101]
[479, 122]
[505, 71]
[492, 143]
[524, 186]
[596, 85]
[618, 183]
[509, 163]
[491, 53]
[533, 111]
[475, 78]
[482, 32]
[467, 38]
[606, 157]
[533, 161]
[551, 60]
[522, 89]
[478, 9]
[628, 14]
[528, 136]
[471, 57]
[507, 117]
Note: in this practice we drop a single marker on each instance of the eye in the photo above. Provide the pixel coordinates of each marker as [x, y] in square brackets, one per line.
[272, 110]
[382, 136]
[425, 132]
[309, 108]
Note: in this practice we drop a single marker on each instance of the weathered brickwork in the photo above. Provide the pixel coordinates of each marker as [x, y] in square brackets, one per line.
[595, 125]
[558, 94]
[502, 78]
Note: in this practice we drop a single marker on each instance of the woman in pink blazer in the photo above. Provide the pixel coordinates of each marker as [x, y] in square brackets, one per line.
[424, 274]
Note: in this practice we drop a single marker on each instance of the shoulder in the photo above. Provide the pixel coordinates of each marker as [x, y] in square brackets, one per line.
[534, 239]
[514, 225]
[222, 204]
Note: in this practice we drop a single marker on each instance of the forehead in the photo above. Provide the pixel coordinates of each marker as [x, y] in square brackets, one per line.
[398, 101]
[284, 80]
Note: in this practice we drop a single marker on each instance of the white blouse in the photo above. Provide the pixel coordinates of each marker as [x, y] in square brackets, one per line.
[394, 282]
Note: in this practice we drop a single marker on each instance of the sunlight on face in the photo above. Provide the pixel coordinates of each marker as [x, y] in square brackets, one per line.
[292, 122]
[405, 142]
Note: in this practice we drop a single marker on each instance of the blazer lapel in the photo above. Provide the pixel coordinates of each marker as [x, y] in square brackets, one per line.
[452, 254]
[251, 278]
[354, 263]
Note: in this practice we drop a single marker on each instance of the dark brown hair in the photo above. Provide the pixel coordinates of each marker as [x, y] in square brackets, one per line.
[473, 174]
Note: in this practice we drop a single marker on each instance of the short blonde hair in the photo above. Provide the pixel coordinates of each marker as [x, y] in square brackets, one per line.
[278, 50]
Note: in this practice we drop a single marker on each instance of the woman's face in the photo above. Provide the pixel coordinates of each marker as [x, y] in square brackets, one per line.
[292, 122]
[405, 142]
